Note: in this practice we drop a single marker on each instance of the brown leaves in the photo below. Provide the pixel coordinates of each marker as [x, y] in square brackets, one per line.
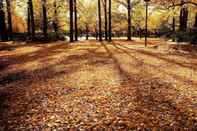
[118, 87]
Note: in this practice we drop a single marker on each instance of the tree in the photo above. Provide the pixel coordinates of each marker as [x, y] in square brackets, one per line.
[44, 19]
[3, 30]
[129, 20]
[31, 22]
[183, 19]
[71, 20]
[105, 12]
[76, 28]
[55, 20]
[110, 25]
[195, 23]
[87, 31]
[9, 19]
[99, 15]
[173, 28]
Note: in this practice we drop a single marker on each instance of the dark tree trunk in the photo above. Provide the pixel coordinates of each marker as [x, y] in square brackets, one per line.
[183, 19]
[87, 32]
[9, 19]
[44, 19]
[99, 15]
[71, 20]
[28, 22]
[173, 29]
[195, 24]
[31, 15]
[194, 41]
[96, 33]
[55, 21]
[3, 30]
[129, 20]
[76, 28]
[110, 26]
[105, 11]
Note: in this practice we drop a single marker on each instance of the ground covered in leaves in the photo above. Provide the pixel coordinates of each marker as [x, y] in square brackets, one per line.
[91, 85]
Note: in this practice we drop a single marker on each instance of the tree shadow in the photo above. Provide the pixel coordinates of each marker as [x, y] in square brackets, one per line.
[155, 104]
[129, 52]
[152, 106]
[19, 84]
[159, 56]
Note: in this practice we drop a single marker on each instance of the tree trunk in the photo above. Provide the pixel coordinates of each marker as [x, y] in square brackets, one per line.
[173, 29]
[183, 19]
[45, 23]
[195, 24]
[76, 28]
[99, 15]
[31, 15]
[129, 20]
[55, 21]
[28, 22]
[96, 33]
[87, 32]
[110, 26]
[71, 20]
[105, 11]
[194, 41]
[3, 30]
[9, 19]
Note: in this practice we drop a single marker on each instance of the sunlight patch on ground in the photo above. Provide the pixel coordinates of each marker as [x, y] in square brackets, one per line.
[94, 77]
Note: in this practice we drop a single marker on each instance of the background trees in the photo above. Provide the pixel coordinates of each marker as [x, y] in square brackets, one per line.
[3, 30]
[9, 19]
[45, 22]
[115, 17]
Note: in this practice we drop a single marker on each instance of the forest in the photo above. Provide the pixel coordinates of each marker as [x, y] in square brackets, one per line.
[122, 65]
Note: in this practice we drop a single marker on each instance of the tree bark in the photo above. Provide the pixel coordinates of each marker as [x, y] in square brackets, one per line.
[9, 15]
[71, 20]
[110, 26]
[76, 28]
[183, 19]
[31, 15]
[55, 21]
[129, 20]
[99, 15]
[3, 30]
[45, 23]
[105, 11]
[87, 32]
[195, 24]
[28, 22]
[173, 29]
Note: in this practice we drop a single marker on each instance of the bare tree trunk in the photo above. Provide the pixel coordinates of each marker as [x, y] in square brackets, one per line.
[99, 15]
[173, 29]
[183, 19]
[110, 26]
[129, 20]
[45, 23]
[87, 32]
[194, 41]
[28, 22]
[195, 24]
[96, 33]
[76, 28]
[55, 21]
[10, 32]
[3, 30]
[31, 15]
[105, 11]
[71, 21]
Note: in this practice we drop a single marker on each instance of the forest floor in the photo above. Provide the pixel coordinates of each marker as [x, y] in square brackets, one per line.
[90, 85]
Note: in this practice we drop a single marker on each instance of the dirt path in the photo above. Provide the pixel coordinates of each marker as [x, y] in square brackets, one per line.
[90, 85]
